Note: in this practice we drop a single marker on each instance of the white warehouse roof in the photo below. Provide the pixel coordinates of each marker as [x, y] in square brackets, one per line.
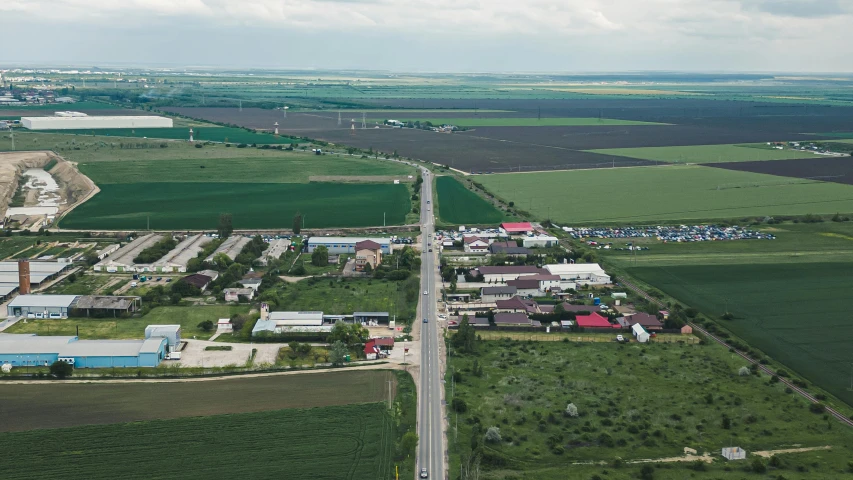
[89, 122]
[353, 240]
[43, 301]
[572, 268]
[297, 318]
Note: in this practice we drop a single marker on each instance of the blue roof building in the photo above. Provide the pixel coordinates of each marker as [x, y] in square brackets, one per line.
[29, 349]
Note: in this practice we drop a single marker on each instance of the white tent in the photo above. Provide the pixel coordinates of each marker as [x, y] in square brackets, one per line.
[640, 333]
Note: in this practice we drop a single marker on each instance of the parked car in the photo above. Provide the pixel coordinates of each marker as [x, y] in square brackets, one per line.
[620, 338]
[168, 280]
[133, 284]
[159, 278]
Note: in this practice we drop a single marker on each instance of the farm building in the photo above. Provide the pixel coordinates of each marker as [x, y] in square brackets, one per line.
[172, 334]
[231, 247]
[39, 273]
[96, 304]
[501, 274]
[176, 260]
[475, 245]
[104, 252]
[639, 333]
[367, 252]
[339, 245]
[516, 228]
[274, 250]
[491, 294]
[253, 283]
[198, 280]
[122, 259]
[594, 320]
[540, 241]
[686, 330]
[41, 306]
[582, 273]
[29, 349]
[234, 294]
[375, 318]
[77, 120]
[508, 248]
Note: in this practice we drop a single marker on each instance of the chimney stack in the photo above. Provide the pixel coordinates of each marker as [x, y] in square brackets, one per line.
[24, 277]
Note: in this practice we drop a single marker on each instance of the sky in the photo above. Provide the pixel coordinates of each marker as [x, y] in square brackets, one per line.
[435, 35]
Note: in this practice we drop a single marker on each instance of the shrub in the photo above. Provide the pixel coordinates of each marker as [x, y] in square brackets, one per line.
[817, 408]
[572, 410]
[743, 371]
[458, 405]
[493, 435]
[758, 465]
[60, 369]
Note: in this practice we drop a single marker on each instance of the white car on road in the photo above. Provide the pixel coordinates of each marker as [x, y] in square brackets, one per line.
[426, 292]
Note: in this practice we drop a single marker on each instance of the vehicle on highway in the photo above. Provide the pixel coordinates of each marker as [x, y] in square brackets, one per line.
[427, 201]
[426, 320]
[426, 292]
[424, 473]
[620, 338]
[430, 249]
[442, 316]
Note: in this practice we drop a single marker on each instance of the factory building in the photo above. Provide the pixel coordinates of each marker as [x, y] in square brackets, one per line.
[172, 334]
[339, 245]
[20, 350]
[29, 273]
[78, 120]
[60, 306]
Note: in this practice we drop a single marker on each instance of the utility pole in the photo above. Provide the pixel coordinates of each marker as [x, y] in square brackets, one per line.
[241, 104]
[389, 394]
[12, 134]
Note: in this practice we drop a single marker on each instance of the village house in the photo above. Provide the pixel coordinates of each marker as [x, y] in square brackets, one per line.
[367, 252]
[475, 245]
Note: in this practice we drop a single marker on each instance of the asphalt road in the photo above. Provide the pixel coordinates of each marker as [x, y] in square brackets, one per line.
[430, 414]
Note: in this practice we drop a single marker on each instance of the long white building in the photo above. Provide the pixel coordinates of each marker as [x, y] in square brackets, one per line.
[580, 273]
[83, 121]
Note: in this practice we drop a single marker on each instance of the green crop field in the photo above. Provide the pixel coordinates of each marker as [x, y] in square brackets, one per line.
[356, 442]
[708, 153]
[280, 167]
[206, 133]
[667, 193]
[796, 313]
[529, 122]
[634, 402]
[35, 406]
[196, 206]
[458, 205]
[130, 328]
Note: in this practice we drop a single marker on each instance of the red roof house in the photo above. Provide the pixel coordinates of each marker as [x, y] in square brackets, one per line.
[520, 227]
[371, 350]
[594, 320]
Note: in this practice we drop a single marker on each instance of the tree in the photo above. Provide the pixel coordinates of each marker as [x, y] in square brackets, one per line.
[297, 223]
[743, 371]
[349, 334]
[60, 369]
[465, 338]
[206, 325]
[368, 268]
[226, 225]
[758, 465]
[647, 472]
[320, 256]
[571, 410]
[493, 435]
[409, 443]
[338, 353]
[458, 405]
[185, 289]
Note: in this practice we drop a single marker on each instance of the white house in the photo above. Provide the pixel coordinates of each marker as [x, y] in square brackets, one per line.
[500, 274]
[475, 245]
[581, 273]
[234, 294]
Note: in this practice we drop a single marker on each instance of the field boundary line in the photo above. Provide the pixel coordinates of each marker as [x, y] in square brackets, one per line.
[808, 396]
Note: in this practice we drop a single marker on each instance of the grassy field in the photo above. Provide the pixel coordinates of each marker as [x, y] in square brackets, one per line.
[35, 406]
[707, 153]
[83, 285]
[670, 193]
[281, 167]
[530, 122]
[131, 328]
[259, 445]
[196, 206]
[458, 205]
[796, 313]
[794, 243]
[634, 402]
[206, 133]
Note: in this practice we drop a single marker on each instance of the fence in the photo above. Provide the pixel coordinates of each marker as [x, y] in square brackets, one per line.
[540, 336]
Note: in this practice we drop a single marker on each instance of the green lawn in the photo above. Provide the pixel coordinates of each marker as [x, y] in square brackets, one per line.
[667, 193]
[707, 153]
[211, 133]
[131, 328]
[796, 313]
[310, 269]
[82, 285]
[197, 206]
[279, 167]
[458, 205]
[357, 441]
[634, 402]
[529, 122]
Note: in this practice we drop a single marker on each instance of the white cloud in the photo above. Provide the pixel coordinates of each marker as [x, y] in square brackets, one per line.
[659, 34]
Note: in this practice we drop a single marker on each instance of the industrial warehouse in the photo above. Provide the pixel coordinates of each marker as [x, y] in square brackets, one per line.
[61, 306]
[20, 350]
[28, 273]
[338, 245]
[79, 120]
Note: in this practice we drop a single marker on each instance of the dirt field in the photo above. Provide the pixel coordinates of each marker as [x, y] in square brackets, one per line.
[57, 404]
[827, 169]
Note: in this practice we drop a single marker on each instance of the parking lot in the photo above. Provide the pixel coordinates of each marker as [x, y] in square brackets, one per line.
[681, 233]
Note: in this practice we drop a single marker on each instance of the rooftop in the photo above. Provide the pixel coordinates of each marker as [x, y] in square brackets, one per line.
[499, 290]
[43, 301]
[497, 270]
[511, 319]
[106, 302]
[353, 240]
[517, 227]
[367, 245]
[594, 320]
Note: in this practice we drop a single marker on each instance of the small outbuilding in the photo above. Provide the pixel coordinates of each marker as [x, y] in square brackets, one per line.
[686, 330]
[639, 333]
